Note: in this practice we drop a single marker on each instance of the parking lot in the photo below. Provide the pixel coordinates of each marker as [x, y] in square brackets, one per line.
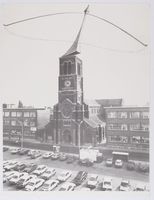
[117, 174]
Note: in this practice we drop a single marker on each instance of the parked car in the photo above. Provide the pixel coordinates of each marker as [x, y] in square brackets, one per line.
[64, 176]
[125, 186]
[40, 170]
[15, 178]
[15, 151]
[140, 187]
[19, 167]
[24, 181]
[31, 167]
[106, 184]
[11, 165]
[31, 152]
[67, 187]
[23, 151]
[48, 174]
[34, 184]
[50, 185]
[5, 149]
[47, 155]
[86, 162]
[63, 157]
[143, 167]
[118, 163]
[92, 181]
[35, 155]
[80, 177]
[55, 156]
[130, 165]
[109, 162]
[10, 174]
[70, 159]
[4, 178]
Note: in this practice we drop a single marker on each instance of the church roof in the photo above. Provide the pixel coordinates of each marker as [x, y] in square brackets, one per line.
[73, 50]
[109, 102]
[94, 121]
[91, 102]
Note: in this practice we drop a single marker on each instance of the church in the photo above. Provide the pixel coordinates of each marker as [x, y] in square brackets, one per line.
[72, 122]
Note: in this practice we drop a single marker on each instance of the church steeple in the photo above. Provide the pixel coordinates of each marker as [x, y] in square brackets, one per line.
[73, 50]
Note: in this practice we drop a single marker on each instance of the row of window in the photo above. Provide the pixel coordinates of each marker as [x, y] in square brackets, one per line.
[133, 140]
[134, 115]
[19, 114]
[94, 110]
[18, 123]
[69, 68]
[131, 127]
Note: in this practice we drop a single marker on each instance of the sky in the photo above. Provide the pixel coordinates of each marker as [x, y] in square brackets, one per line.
[114, 64]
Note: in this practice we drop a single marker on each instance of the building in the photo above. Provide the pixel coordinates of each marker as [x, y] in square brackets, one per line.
[26, 120]
[73, 125]
[127, 128]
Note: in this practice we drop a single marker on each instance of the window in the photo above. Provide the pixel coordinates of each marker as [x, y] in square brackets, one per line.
[122, 115]
[120, 139]
[32, 114]
[26, 123]
[145, 127]
[135, 127]
[79, 69]
[114, 127]
[6, 122]
[112, 115]
[69, 67]
[32, 124]
[67, 122]
[13, 123]
[13, 114]
[140, 140]
[134, 115]
[26, 114]
[145, 115]
[61, 69]
[6, 114]
[124, 127]
[19, 114]
[65, 68]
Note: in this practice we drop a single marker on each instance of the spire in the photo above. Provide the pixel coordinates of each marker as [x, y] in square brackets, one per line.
[73, 50]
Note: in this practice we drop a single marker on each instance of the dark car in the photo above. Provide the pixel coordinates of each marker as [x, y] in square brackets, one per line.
[63, 157]
[86, 162]
[19, 167]
[130, 165]
[5, 149]
[80, 177]
[109, 162]
[70, 159]
[31, 167]
[23, 151]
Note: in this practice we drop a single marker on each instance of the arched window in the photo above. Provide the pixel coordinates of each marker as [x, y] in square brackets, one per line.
[69, 68]
[79, 69]
[65, 67]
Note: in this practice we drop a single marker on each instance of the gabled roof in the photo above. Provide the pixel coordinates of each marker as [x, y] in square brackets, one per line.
[109, 102]
[94, 121]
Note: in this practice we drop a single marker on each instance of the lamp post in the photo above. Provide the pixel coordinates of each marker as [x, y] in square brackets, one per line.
[22, 133]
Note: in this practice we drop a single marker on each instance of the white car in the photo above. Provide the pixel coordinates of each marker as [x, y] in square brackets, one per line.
[15, 151]
[140, 187]
[47, 155]
[9, 174]
[25, 180]
[15, 178]
[118, 163]
[50, 185]
[64, 176]
[48, 174]
[107, 184]
[85, 189]
[11, 165]
[67, 187]
[93, 181]
[40, 170]
[125, 186]
[34, 184]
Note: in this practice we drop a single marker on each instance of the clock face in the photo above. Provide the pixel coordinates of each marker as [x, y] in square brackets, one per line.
[66, 110]
[67, 83]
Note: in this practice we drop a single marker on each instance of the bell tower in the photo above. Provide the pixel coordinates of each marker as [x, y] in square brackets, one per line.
[69, 111]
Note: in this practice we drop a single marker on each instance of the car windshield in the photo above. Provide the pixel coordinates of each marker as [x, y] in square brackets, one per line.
[48, 172]
[31, 183]
[21, 180]
[46, 185]
[124, 184]
[107, 183]
[15, 176]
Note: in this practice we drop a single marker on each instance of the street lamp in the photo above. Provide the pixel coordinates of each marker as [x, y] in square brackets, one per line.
[22, 133]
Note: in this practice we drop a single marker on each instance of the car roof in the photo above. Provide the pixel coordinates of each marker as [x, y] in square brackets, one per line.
[125, 181]
[93, 175]
[107, 179]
